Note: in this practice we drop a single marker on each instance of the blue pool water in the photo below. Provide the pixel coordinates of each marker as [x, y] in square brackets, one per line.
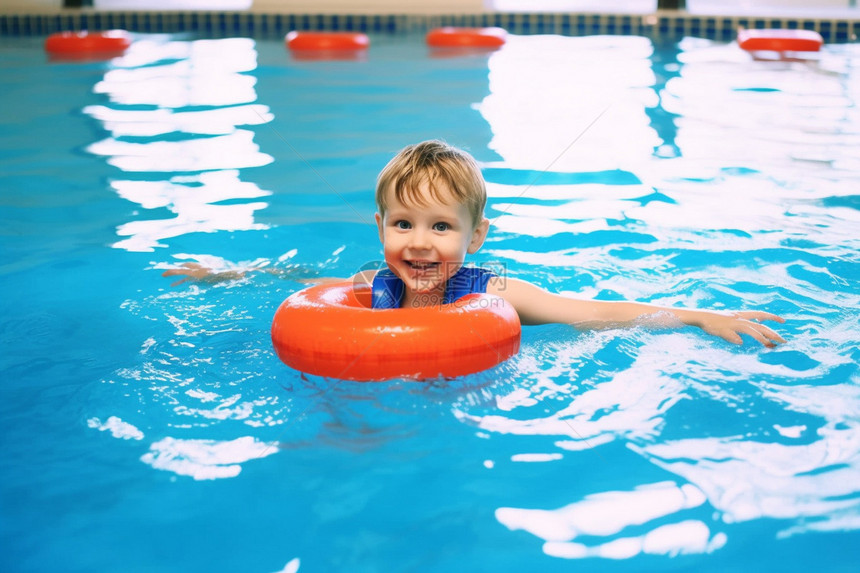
[149, 427]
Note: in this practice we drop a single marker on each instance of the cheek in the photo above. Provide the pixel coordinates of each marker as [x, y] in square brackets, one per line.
[391, 242]
[455, 247]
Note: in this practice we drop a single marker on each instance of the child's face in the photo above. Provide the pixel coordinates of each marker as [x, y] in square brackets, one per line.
[426, 245]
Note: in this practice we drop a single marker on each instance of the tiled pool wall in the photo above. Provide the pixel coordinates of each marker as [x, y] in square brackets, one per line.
[220, 24]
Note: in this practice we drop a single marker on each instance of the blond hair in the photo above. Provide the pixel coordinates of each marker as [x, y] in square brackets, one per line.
[433, 162]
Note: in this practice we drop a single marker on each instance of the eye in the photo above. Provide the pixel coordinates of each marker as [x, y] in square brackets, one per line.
[441, 227]
[402, 224]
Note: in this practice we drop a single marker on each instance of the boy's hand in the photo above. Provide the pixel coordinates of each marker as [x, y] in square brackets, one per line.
[730, 326]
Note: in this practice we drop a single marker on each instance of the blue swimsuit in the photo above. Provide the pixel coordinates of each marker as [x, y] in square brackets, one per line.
[388, 289]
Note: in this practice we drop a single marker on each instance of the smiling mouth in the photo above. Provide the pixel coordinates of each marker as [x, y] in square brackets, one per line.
[422, 265]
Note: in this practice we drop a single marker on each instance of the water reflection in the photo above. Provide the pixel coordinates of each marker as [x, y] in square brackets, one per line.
[543, 114]
[195, 201]
[606, 514]
[182, 74]
[176, 108]
[737, 109]
[741, 178]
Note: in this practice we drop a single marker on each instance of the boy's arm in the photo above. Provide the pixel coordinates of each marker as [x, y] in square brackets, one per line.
[537, 306]
[202, 273]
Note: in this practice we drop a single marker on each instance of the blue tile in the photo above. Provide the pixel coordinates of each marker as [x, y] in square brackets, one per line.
[627, 25]
[608, 24]
[268, 25]
[841, 34]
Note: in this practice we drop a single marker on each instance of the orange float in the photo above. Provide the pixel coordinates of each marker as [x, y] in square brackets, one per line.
[327, 41]
[450, 37]
[780, 40]
[87, 43]
[330, 330]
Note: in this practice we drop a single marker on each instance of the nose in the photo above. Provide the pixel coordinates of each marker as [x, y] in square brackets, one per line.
[419, 239]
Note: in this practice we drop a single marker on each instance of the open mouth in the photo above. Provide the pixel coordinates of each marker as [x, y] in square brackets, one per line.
[423, 266]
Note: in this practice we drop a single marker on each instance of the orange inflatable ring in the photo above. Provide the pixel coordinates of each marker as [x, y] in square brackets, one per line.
[84, 43]
[328, 41]
[778, 40]
[450, 37]
[330, 330]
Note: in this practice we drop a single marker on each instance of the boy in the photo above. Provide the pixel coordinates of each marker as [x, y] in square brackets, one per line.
[430, 200]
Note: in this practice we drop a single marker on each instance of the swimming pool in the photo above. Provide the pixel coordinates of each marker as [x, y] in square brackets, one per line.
[150, 427]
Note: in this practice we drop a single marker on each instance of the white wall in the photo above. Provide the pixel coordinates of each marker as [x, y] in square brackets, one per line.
[270, 6]
[371, 6]
[30, 6]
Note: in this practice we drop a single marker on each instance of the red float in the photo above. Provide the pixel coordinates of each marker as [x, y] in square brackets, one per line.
[779, 40]
[330, 330]
[450, 37]
[85, 43]
[327, 41]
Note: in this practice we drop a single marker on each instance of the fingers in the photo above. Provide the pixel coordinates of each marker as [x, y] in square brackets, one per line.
[754, 332]
[761, 333]
[758, 315]
[732, 326]
[770, 334]
[731, 336]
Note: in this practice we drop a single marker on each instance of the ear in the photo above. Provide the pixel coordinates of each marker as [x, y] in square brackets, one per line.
[478, 236]
[379, 225]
